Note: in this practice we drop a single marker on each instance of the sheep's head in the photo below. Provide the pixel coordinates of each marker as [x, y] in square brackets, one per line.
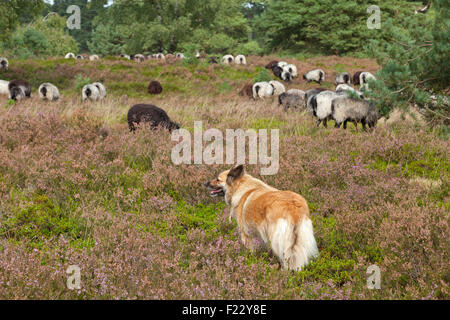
[44, 91]
[17, 93]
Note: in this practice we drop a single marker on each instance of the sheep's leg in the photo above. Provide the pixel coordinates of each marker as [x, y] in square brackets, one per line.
[318, 122]
[345, 125]
[325, 123]
[363, 122]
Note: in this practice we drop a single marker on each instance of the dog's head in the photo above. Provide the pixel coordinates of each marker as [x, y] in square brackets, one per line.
[225, 181]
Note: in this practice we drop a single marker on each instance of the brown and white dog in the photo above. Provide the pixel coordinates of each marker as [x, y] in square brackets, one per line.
[280, 218]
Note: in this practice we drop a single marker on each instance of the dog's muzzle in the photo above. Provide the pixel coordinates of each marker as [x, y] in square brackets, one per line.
[214, 191]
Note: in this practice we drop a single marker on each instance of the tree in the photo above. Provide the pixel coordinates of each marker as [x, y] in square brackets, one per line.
[14, 11]
[415, 63]
[325, 26]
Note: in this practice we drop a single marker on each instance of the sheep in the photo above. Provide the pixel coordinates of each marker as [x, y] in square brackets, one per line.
[262, 90]
[240, 59]
[151, 114]
[343, 78]
[19, 89]
[321, 106]
[271, 64]
[291, 100]
[356, 77]
[342, 88]
[292, 69]
[344, 109]
[154, 87]
[101, 90]
[281, 64]
[297, 92]
[70, 55]
[48, 91]
[281, 74]
[125, 56]
[180, 55]
[90, 92]
[94, 57]
[364, 78]
[160, 56]
[79, 57]
[4, 87]
[197, 54]
[228, 59]
[247, 90]
[278, 87]
[4, 64]
[313, 92]
[316, 75]
[139, 58]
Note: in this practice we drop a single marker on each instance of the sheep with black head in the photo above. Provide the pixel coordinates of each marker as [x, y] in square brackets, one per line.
[154, 87]
[48, 91]
[19, 89]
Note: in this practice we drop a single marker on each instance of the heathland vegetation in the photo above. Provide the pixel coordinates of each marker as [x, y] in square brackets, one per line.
[77, 188]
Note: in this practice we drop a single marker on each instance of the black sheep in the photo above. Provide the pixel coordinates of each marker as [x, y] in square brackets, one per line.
[151, 114]
[19, 89]
[155, 87]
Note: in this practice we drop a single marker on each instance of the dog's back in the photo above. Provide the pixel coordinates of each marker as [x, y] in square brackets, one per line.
[281, 218]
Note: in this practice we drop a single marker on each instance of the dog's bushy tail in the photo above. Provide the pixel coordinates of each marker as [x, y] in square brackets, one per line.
[294, 244]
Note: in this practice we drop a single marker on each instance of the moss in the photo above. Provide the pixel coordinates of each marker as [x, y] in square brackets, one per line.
[43, 219]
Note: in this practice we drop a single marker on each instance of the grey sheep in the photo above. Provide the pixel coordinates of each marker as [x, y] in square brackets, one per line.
[4, 64]
[344, 109]
[288, 100]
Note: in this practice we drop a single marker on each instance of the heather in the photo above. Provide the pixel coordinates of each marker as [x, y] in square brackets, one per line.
[77, 188]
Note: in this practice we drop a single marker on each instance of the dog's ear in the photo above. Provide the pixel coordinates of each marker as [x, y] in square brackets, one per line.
[235, 174]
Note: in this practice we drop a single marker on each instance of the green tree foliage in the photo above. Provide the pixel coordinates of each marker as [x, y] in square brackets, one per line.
[138, 26]
[43, 37]
[88, 9]
[12, 12]
[415, 62]
[325, 26]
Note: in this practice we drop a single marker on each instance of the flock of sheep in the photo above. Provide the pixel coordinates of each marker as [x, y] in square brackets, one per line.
[345, 104]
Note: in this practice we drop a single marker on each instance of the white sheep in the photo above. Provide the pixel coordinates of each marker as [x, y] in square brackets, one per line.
[4, 64]
[101, 89]
[125, 56]
[342, 88]
[48, 91]
[262, 90]
[298, 92]
[292, 69]
[160, 56]
[321, 106]
[316, 75]
[228, 59]
[4, 87]
[90, 92]
[364, 78]
[80, 57]
[240, 59]
[278, 87]
[70, 55]
[180, 55]
[343, 78]
[139, 58]
[94, 57]
[281, 64]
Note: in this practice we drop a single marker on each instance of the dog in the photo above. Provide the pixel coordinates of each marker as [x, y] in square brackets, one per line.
[279, 218]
